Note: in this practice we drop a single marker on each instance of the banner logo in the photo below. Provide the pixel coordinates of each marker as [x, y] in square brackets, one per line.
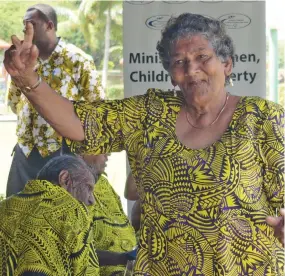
[175, 2]
[211, 2]
[235, 20]
[134, 2]
[157, 22]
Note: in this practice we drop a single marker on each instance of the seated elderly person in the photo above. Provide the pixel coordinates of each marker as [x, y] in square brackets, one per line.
[112, 228]
[45, 229]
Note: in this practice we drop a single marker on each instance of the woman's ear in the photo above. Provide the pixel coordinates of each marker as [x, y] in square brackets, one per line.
[228, 67]
[64, 180]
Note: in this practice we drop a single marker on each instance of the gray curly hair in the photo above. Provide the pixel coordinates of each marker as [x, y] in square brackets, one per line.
[187, 25]
[75, 166]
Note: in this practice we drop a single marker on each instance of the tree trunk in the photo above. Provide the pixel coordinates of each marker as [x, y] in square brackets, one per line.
[107, 47]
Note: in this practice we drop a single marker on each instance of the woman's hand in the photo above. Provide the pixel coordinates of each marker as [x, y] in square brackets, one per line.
[20, 61]
[21, 58]
[278, 225]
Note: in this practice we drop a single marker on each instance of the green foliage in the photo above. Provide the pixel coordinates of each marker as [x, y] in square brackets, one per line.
[115, 92]
[71, 33]
[92, 19]
[2, 197]
[11, 18]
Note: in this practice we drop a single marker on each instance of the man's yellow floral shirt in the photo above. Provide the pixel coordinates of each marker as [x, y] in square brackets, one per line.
[71, 73]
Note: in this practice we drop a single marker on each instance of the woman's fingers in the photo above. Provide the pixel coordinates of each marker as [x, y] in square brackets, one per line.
[21, 57]
[12, 70]
[16, 42]
[34, 54]
[25, 56]
[29, 58]
[28, 36]
[17, 61]
[8, 63]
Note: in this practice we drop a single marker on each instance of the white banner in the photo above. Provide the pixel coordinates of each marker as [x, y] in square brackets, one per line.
[144, 20]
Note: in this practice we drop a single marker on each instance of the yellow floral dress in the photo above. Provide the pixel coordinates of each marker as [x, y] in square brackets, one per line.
[44, 230]
[111, 227]
[203, 211]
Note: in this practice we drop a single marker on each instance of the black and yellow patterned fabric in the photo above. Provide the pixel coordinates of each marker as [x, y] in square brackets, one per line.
[44, 230]
[111, 227]
[203, 211]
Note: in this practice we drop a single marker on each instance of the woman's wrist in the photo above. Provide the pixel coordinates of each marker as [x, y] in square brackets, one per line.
[27, 83]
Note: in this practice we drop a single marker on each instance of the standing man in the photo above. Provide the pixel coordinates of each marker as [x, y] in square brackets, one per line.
[71, 73]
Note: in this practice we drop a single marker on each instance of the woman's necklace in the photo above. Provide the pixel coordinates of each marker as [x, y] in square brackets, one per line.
[216, 119]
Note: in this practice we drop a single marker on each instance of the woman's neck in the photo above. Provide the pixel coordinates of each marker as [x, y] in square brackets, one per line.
[204, 108]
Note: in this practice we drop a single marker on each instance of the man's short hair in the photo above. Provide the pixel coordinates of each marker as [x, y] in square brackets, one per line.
[46, 13]
[75, 166]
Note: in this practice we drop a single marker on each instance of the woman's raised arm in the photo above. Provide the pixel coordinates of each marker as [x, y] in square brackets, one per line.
[20, 61]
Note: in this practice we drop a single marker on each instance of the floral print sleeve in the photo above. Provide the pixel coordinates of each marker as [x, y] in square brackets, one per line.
[89, 83]
[14, 96]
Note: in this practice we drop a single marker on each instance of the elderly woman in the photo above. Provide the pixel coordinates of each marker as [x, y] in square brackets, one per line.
[208, 165]
[45, 229]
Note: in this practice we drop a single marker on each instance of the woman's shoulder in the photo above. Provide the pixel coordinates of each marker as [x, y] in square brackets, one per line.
[153, 98]
[165, 97]
[160, 92]
[263, 107]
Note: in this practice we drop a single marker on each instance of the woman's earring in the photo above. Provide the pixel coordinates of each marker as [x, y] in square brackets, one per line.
[231, 82]
[174, 91]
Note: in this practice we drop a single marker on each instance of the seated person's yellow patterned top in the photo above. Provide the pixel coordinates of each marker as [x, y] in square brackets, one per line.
[112, 230]
[44, 230]
[204, 210]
